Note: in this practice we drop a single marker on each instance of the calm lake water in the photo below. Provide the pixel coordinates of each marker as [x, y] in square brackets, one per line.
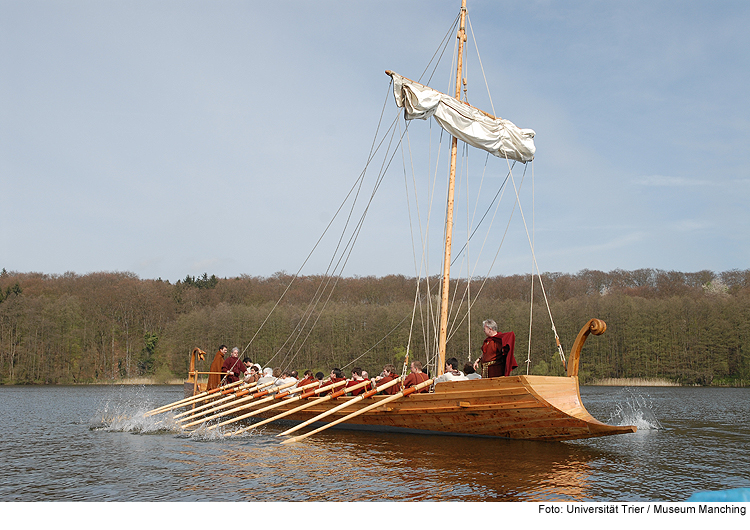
[92, 444]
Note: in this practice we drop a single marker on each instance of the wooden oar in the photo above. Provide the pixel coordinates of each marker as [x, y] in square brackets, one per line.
[192, 399]
[343, 405]
[255, 395]
[280, 397]
[188, 400]
[394, 397]
[294, 410]
[256, 412]
[242, 406]
[228, 401]
[229, 395]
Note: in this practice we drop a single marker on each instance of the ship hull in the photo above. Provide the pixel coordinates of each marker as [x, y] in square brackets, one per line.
[519, 407]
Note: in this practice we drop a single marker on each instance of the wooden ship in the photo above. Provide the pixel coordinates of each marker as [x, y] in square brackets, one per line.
[522, 407]
[528, 407]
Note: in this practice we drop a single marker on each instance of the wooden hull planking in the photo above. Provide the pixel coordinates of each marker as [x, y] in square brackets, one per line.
[521, 407]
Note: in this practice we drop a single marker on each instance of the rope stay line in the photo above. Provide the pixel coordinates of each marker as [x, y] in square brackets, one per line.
[375, 147]
[502, 240]
[355, 234]
[444, 44]
[539, 275]
[481, 66]
[388, 145]
[334, 274]
[531, 295]
[418, 270]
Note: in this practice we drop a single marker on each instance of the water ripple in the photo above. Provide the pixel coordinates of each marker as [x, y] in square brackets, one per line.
[97, 444]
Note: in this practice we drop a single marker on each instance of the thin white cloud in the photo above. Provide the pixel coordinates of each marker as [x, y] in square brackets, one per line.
[671, 182]
[691, 226]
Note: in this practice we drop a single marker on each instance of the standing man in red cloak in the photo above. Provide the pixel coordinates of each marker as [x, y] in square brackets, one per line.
[214, 377]
[497, 352]
[233, 367]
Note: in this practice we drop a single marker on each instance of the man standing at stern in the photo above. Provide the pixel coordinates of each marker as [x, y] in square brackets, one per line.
[497, 352]
[233, 367]
[214, 378]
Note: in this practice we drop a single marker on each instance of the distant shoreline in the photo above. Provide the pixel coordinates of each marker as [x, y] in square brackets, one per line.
[607, 381]
[145, 381]
[628, 381]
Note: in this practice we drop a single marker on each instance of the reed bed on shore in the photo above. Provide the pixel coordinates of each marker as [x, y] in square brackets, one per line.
[628, 381]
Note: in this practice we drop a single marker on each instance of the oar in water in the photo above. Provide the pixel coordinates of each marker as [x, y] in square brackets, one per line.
[278, 397]
[294, 410]
[343, 405]
[228, 401]
[228, 396]
[188, 400]
[380, 403]
[216, 414]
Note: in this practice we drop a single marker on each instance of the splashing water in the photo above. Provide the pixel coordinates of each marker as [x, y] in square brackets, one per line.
[204, 434]
[125, 412]
[635, 409]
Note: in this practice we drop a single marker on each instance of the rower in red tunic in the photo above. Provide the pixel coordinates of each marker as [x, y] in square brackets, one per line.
[336, 376]
[416, 376]
[355, 380]
[389, 374]
[497, 352]
[307, 380]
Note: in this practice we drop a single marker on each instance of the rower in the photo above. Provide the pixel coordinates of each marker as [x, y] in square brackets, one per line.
[452, 373]
[355, 380]
[253, 374]
[336, 376]
[308, 379]
[416, 376]
[389, 374]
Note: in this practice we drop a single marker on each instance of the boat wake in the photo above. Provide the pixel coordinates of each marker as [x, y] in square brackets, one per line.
[132, 421]
[128, 415]
[131, 418]
[635, 409]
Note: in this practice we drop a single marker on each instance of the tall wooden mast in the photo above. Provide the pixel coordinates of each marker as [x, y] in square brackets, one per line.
[449, 213]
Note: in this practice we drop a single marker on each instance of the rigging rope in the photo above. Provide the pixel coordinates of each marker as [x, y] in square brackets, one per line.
[352, 240]
[418, 270]
[446, 40]
[541, 283]
[481, 66]
[502, 240]
[356, 186]
[531, 296]
[344, 247]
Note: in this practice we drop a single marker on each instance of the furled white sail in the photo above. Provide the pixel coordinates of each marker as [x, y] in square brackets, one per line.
[495, 135]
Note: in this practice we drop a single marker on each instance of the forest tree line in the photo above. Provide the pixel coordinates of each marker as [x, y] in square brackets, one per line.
[690, 328]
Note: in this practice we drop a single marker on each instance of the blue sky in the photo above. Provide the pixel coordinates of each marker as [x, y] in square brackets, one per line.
[174, 138]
